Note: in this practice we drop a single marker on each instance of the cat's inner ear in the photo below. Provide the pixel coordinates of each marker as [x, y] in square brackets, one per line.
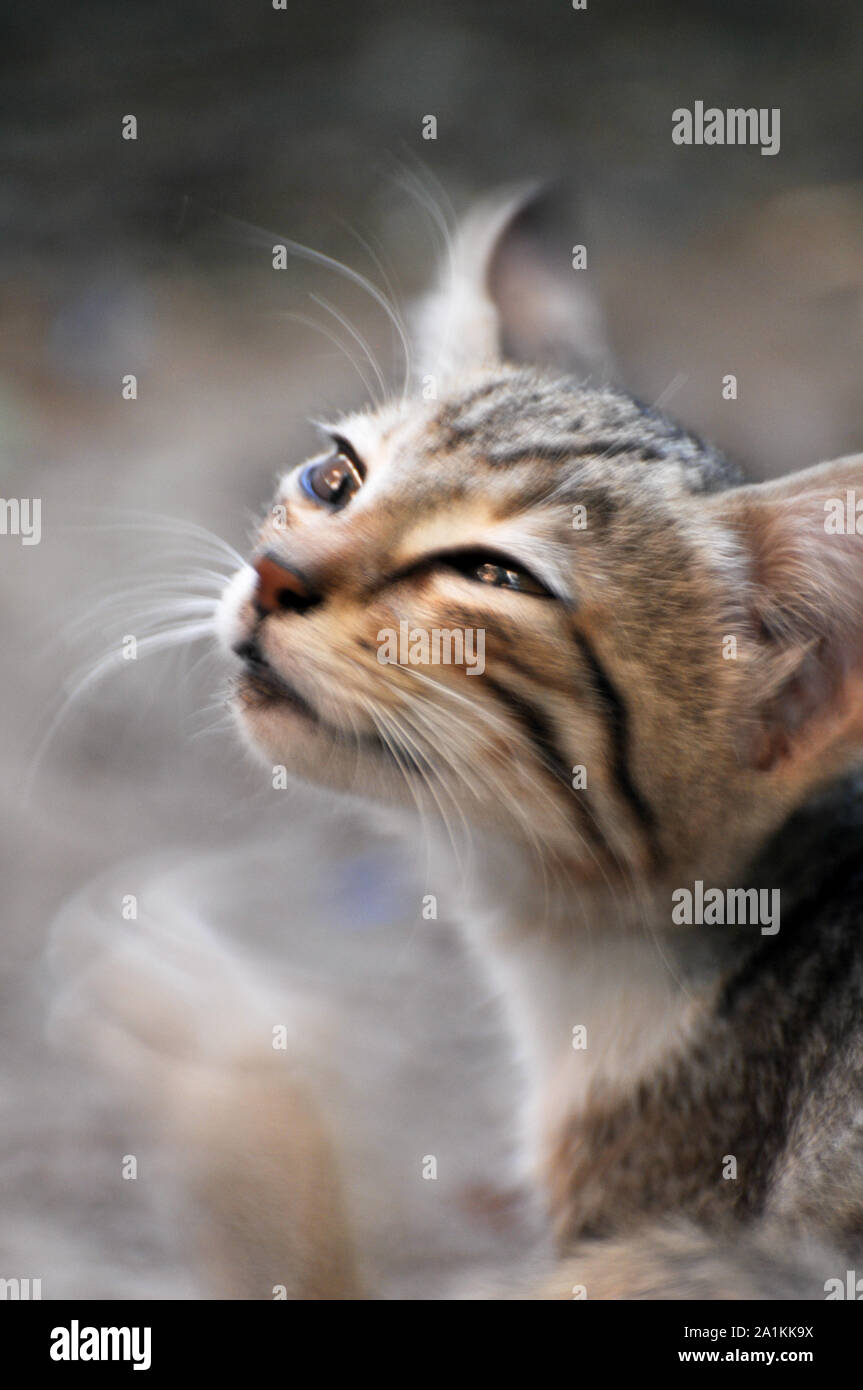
[805, 615]
[513, 289]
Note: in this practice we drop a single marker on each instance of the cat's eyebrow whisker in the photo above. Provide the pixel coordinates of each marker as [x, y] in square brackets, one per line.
[261, 236]
[337, 342]
[358, 339]
[411, 184]
[385, 277]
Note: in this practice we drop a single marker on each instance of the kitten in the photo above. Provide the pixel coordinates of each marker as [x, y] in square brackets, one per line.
[672, 696]
[670, 701]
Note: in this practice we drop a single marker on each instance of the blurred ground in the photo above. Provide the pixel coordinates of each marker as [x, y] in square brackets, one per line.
[129, 257]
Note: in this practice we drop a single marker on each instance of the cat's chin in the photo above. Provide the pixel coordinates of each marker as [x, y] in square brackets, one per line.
[269, 694]
[285, 734]
[293, 747]
[277, 726]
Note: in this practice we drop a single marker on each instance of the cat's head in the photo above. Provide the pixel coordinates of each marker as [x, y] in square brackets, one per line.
[521, 601]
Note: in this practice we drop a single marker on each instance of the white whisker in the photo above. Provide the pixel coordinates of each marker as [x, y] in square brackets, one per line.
[337, 342]
[358, 339]
[319, 258]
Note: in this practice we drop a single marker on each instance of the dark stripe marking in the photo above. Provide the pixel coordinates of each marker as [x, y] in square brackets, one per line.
[618, 719]
[541, 738]
[566, 449]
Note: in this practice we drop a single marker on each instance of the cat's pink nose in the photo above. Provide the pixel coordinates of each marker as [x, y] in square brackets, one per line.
[280, 588]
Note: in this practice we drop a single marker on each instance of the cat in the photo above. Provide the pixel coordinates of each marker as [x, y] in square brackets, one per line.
[671, 701]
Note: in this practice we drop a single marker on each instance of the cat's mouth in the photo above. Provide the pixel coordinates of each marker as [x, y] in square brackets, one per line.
[260, 684]
[262, 687]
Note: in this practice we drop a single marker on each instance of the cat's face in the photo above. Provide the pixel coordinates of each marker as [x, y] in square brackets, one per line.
[552, 527]
[512, 606]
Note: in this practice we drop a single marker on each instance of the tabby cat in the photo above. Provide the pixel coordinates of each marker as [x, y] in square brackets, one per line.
[670, 712]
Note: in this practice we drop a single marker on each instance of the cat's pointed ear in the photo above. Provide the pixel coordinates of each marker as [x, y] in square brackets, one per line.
[510, 290]
[803, 550]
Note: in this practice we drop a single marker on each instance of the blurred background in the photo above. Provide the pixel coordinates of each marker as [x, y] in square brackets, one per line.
[152, 257]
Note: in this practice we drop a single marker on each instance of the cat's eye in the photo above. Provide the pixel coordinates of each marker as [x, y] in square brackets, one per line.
[331, 481]
[508, 577]
[498, 571]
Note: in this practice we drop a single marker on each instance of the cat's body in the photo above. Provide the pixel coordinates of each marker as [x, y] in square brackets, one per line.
[672, 676]
[707, 1046]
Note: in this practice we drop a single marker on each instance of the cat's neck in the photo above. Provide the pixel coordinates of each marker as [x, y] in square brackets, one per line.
[586, 1006]
[599, 988]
